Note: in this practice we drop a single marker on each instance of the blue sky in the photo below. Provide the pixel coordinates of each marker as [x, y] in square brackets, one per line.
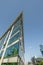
[33, 22]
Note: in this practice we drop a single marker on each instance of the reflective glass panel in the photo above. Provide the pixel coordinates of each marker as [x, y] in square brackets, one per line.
[12, 50]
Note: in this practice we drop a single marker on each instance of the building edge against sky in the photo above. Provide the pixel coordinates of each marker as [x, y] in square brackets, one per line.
[41, 49]
[13, 53]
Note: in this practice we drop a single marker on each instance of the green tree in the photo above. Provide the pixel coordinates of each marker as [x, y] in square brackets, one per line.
[40, 63]
[14, 52]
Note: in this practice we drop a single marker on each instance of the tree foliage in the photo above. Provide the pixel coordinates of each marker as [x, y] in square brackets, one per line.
[40, 63]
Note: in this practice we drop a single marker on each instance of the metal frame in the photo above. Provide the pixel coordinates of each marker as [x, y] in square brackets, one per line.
[9, 31]
[6, 45]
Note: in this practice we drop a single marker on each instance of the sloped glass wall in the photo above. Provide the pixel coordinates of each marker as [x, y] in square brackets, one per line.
[12, 50]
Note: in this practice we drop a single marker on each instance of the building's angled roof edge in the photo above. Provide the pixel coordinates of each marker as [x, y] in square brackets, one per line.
[17, 18]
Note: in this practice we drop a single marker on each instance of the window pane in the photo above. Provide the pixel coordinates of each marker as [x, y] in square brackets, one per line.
[14, 38]
[16, 27]
[15, 30]
[12, 51]
[2, 41]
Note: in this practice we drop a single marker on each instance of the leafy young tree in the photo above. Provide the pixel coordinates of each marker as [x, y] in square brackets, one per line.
[40, 63]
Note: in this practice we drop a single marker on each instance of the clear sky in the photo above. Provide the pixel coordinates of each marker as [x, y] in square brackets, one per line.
[33, 22]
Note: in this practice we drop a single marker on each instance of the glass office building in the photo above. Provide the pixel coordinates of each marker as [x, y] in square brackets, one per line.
[12, 44]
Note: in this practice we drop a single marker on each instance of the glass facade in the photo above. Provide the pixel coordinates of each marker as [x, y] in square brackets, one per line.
[14, 38]
[2, 41]
[14, 49]
[16, 27]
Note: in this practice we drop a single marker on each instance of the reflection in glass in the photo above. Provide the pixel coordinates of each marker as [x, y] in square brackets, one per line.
[12, 51]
